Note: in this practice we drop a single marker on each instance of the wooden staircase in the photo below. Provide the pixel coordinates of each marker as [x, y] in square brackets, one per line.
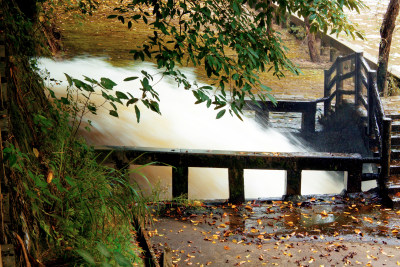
[393, 182]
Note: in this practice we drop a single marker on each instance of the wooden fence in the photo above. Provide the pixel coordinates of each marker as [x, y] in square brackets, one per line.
[236, 162]
[366, 96]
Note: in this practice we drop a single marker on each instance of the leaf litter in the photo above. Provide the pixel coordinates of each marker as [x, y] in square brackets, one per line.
[323, 231]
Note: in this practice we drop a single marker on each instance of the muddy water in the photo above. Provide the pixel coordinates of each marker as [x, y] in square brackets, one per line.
[184, 126]
[370, 21]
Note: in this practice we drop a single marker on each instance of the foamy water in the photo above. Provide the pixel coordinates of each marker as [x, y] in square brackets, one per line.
[185, 125]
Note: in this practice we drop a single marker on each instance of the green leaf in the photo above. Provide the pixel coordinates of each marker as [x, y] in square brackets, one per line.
[103, 250]
[121, 95]
[130, 79]
[107, 83]
[112, 16]
[69, 79]
[114, 113]
[137, 111]
[86, 256]
[121, 260]
[70, 181]
[265, 88]
[136, 17]
[221, 113]
[131, 101]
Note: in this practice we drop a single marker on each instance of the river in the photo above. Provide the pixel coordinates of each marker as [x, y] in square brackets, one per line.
[182, 124]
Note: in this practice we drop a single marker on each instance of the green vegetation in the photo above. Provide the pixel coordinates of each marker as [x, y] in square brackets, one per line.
[67, 206]
[71, 208]
[201, 34]
[78, 205]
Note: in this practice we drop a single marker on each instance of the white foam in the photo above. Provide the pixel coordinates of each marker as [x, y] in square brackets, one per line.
[185, 125]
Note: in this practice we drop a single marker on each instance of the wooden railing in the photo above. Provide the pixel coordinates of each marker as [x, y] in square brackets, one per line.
[236, 162]
[378, 129]
[366, 96]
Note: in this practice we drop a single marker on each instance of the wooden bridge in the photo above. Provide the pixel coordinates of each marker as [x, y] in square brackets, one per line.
[366, 99]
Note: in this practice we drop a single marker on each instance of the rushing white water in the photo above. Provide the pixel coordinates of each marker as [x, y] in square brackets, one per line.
[185, 125]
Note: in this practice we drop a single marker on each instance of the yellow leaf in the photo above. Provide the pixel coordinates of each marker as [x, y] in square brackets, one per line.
[36, 152]
[227, 248]
[49, 177]
[247, 207]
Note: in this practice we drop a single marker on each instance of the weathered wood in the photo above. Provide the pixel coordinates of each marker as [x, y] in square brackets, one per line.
[371, 102]
[327, 93]
[354, 178]
[180, 182]
[357, 78]
[348, 75]
[236, 184]
[236, 162]
[308, 118]
[293, 182]
[386, 149]
[339, 82]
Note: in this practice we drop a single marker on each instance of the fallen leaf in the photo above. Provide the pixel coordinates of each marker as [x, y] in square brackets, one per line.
[227, 248]
[49, 177]
[247, 207]
[36, 152]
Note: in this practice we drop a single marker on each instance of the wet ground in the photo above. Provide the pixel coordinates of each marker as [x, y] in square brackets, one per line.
[323, 231]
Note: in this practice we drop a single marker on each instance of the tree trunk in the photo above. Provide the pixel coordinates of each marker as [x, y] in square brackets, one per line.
[312, 43]
[387, 28]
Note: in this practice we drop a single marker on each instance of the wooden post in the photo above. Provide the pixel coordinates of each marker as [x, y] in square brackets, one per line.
[293, 182]
[354, 178]
[327, 93]
[371, 102]
[308, 118]
[236, 184]
[121, 162]
[339, 82]
[357, 78]
[386, 150]
[180, 181]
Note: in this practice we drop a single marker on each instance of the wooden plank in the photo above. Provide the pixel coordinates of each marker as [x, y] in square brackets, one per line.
[293, 182]
[339, 83]
[180, 182]
[346, 58]
[354, 178]
[236, 184]
[308, 119]
[364, 102]
[357, 78]
[228, 159]
[386, 147]
[365, 65]
[348, 75]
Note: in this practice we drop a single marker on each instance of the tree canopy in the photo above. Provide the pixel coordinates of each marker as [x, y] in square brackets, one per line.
[201, 33]
[233, 40]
